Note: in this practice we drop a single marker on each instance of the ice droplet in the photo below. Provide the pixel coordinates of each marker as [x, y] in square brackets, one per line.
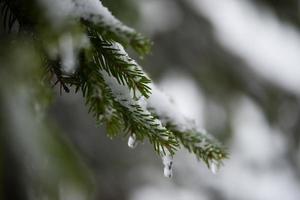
[168, 172]
[167, 160]
[132, 142]
[214, 167]
[168, 165]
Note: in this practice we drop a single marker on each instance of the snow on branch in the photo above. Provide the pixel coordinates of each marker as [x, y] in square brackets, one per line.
[116, 90]
[93, 12]
[191, 137]
[112, 57]
[154, 117]
[120, 94]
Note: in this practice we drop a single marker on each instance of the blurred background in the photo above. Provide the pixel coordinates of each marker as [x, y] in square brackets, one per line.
[233, 66]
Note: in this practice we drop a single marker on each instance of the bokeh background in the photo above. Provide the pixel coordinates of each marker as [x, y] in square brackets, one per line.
[233, 66]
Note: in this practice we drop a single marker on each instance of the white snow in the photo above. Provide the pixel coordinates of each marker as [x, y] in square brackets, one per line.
[168, 110]
[121, 92]
[162, 105]
[125, 97]
[66, 49]
[126, 57]
[59, 11]
[67, 53]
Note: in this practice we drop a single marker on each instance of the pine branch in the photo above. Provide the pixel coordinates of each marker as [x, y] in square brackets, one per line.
[110, 80]
[116, 90]
[195, 140]
[98, 100]
[139, 121]
[111, 57]
[114, 104]
[121, 113]
[125, 36]
[110, 27]
[201, 144]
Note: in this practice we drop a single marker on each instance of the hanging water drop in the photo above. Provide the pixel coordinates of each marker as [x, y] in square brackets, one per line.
[214, 167]
[168, 165]
[167, 159]
[132, 142]
[168, 172]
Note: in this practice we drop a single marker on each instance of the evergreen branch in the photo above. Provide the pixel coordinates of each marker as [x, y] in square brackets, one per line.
[109, 26]
[120, 74]
[107, 83]
[111, 57]
[138, 119]
[87, 80]
[55, 70]
[100, 104]
[111, 84]
[116, 90]
[120, 114]
[125, 36]
[109, 105]
[202, 145]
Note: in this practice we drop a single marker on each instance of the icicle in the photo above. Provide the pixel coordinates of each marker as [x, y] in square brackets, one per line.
[168, 164]
[214, 167]
[168, 172]
[132, 142]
